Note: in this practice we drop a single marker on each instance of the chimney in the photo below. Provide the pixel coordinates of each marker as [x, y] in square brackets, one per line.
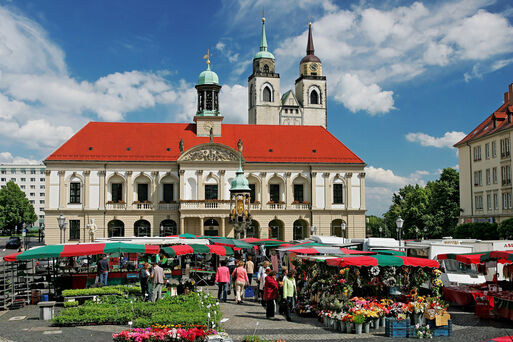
[494, 121]
[510, 94]
[506, 98]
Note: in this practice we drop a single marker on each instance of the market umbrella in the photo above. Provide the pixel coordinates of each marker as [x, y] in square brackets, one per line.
[382, 260]
[222, 241]
[197, 249]
[265, 242]
[185, 236]
[390, 252]
[501, 339]
[71, 250]
[312, 250]
[466, 258]
[354, 251]
[503, 257]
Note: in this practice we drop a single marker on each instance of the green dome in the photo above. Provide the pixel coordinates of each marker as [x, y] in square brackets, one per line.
[208, 77]
[240, 182]
[263, 54]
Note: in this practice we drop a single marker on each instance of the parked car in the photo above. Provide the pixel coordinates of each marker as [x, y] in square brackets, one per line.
[14, 242]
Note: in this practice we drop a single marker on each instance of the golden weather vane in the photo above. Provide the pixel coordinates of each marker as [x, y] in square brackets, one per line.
[207, 56]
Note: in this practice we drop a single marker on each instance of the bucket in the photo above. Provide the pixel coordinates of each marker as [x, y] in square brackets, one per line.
[44, 298]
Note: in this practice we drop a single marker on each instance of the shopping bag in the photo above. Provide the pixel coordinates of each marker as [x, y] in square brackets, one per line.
[249, 292]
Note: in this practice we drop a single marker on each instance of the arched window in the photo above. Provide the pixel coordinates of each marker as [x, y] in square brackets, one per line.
[116, 228]
[167, 228]
[266, 68]
[211, 227]
[251, 94]
[74, 191]
[142, 228]
[266, 95]
[314, 97]
[300, 230]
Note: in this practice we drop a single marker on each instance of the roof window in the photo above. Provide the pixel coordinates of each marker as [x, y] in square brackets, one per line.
[90, 148]
[168, 149]
[128, 148]
[314, 151]
[270, 150]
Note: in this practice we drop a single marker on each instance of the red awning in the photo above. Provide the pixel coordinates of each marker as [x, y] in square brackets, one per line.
[419, 262]
[353, 251]
[353, 261]
[11, 257]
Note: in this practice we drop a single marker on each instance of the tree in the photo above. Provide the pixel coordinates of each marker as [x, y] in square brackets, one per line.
[374, 224]
[434, 208]
[505, 229]
[477, 230]
[15, 208]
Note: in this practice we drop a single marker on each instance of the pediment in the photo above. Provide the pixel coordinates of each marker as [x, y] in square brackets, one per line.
[210, 152]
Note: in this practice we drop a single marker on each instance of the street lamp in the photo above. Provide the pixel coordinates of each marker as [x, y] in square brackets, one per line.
[399, 223]
[62, 227]
[312, 230]
[343, 227]
[380, 230]
[161, 230]
[367, 226]
[425, 232]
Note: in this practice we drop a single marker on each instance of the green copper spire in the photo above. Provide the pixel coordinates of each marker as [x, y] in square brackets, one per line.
[240, 183]
[263, 53]
[208, 76]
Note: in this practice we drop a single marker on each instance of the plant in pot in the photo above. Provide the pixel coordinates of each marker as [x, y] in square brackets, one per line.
[358, 321]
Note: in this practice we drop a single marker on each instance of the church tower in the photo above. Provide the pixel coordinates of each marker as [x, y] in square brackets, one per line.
[264, 87]
[207, 118]
[311, 87]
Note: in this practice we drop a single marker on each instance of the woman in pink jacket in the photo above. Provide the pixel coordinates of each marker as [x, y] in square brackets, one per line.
[241, 279]
[222, 280]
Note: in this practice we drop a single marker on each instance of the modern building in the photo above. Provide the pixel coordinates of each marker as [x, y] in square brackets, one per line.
[485, 167]
[32, 181]
[159, 179]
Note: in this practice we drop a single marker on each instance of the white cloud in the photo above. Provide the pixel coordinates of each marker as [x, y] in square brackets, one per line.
[447, 140]
[369, 48]
[382, 183]
[231, 56]
[8, 158]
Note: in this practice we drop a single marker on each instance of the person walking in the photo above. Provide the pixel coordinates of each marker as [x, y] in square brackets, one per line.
[145, 275]
[270, 294]
[261, 279]
[241, 279]
[158, 281]
[222, 280]
[250, 268]
[103, 270]
[289, 293]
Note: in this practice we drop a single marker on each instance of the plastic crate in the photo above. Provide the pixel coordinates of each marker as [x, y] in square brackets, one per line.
[397, 328]
[444, 330]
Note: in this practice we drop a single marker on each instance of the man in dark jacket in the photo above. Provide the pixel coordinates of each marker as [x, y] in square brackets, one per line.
[103, 270]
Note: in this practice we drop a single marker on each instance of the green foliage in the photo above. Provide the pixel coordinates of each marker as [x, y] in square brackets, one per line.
[505, 229]
[191, 309]
[15, 208]
[105, 290]
[374, 224]
[359, 319]
[434, 207]
[70, 304]
[477, 230]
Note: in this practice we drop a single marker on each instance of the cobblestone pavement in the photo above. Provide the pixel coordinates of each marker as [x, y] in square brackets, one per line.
[249, 318]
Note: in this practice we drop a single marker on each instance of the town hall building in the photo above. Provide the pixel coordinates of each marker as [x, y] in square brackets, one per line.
[160, 179]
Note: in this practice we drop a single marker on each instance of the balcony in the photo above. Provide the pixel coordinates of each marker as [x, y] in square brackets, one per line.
[300, 206]
[115, 206]
[255, 206]
[205, 204]
[168, 206]
[275, 206]
[142, 206]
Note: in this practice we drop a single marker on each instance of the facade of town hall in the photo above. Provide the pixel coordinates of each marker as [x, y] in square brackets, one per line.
[161, 179]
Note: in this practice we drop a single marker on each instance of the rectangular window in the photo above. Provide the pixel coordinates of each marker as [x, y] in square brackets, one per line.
[504, 201]
[32, 186]
[23, 179]
[479, 202]
[32, 202]
[488, 178]
[41, 201]
[42, 194]
[211, 191]
[41, 187]
[298, 193]
[41, 179]
[22, 186]
[478, 178]
[506, 175]
[168, 193]
[489, 202]
[3, 172]
[13, 171]
[505, 148]
[74, 193]
[32, 179]
[142, 192]
[494, 149]
[495, 202]
[487, 150]
[338, 193]
[477, 153]
[32, 194]
[23, 171]
[117, 192]
[32, 172]
[252, 193]
[74, 229]
[3, 179]
[494, 175]
[274, 193]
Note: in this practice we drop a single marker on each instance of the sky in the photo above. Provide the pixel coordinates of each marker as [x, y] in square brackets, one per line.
[406, 80]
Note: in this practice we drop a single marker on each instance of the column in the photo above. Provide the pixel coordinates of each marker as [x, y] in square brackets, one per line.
[313, 189]
[202, 225]
[155, 189]
[86, 189]
[103, 189]
[199, 181]
[181, 229]
[349, 190]
[362, 190]
[47, 189]
[62, 190]
[264, 189]
[327, 192]
[181, 184]
[221, 185]
[289, 193]
[129, 189]
[223, 222]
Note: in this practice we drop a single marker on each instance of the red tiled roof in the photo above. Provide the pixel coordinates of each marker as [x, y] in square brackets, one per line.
[487, 126]
[122, 141]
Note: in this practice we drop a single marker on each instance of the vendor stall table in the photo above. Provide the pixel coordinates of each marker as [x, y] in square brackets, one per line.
[202, 276]
[504, 306]
[464, 296]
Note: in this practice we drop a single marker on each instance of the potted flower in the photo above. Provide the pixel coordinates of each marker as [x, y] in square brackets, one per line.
[358, 321]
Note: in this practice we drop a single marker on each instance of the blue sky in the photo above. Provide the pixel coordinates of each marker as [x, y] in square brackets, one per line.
[406, 80]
